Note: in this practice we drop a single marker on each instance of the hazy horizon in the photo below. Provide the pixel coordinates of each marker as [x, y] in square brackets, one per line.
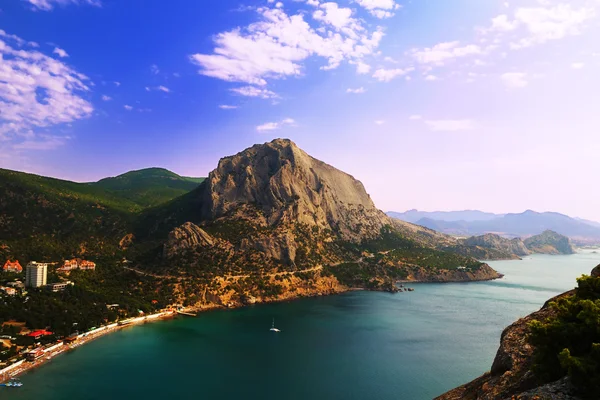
[432, 105]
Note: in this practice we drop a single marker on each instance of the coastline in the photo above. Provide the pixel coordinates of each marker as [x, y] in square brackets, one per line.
[22, 366]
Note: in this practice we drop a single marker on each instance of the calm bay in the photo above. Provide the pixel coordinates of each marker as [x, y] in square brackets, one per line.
[357, 345]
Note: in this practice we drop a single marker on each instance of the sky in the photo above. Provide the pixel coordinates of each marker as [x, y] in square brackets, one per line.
[432, 104]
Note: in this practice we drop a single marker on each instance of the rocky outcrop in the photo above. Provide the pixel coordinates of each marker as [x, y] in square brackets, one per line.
[549, 242]
[492, 241]
[511, 370]
[126, 241]
[187, 236]
[483, 273]
[287, 185]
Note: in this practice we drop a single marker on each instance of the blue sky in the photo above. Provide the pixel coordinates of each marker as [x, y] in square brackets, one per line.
[432, 104]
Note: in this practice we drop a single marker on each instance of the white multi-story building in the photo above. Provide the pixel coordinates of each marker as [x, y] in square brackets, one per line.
[36, 274]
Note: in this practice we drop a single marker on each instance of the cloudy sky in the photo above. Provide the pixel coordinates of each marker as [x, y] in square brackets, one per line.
[432, 104]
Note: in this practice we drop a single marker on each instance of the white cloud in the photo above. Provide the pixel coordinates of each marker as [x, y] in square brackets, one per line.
[431, 78]
[443, 52]
[47, 5]
[42, 142]
[154, 69]
[271, 126]
[514, 80]
[117, 84]
[227, 107]
[356, 91]
[537, 25]
[379, 122]
[277, 45]
[37, 91]
[386, 75]
[128, 107]
[577, 65]
[380, 8]
[338, 17]
[415, 117]
[106, 98]
[362, 68]
[252, 91]
[61, 53]
[450, 125]
[503, 24]
[160, 88]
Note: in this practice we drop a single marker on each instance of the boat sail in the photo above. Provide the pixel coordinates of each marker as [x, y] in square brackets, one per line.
[273, 329]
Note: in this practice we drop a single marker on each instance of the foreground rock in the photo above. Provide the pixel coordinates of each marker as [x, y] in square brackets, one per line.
[510, 376]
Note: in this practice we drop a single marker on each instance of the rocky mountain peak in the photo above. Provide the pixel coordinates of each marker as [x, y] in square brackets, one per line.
[285, 184]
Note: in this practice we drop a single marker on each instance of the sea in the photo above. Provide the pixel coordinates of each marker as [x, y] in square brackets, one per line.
[357, 345]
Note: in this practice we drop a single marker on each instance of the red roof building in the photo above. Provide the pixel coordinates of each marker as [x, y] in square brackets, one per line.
[11, 266]
[69, 265]
[38, 334]
[84, 264]
[77, 263]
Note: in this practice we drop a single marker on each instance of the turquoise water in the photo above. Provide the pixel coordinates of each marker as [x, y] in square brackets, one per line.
[360, 345]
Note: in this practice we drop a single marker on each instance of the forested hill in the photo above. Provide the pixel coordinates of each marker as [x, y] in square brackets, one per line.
[46, 218]
[149, 187]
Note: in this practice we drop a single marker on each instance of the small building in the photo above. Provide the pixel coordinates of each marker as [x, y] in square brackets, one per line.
[34, 354]
[87, 265]
[69, 265]
[16, 284]
[12, 266]
[39, 333]
[59, 287]
[36, 274]
[71, 338]
[8, 290]
[76, 263]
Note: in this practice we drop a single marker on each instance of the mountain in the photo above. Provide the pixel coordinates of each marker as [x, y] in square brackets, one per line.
[512, 248]
[550, 354]
[149, 187]
[549, 242]
[448, 216]
[269, 223]
[46, 218]
[518, 225]
[273, 211]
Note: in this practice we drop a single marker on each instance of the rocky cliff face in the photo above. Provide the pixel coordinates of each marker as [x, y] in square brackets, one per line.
[187, 236]
[511, 247]
[287, 185]
[511, 376]
[549, 242]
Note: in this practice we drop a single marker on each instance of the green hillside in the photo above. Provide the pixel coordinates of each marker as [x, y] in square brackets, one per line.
[46, 219]
[148, 187]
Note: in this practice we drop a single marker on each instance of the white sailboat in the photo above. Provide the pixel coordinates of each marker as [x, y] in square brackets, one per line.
[273, 329]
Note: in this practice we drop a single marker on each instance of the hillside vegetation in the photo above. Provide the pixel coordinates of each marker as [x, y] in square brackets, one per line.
[149, 187]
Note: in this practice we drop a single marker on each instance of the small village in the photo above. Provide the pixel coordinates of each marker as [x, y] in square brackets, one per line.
[22, 348]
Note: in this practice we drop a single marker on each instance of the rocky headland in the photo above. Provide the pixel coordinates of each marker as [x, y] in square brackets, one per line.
[513, 373]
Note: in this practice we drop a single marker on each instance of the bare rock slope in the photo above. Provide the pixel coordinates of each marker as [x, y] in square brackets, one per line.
[288, 185]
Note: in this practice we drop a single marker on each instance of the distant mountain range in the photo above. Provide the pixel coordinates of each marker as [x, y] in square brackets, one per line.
[528, 223]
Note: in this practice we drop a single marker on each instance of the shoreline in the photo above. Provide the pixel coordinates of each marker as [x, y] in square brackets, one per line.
[20, 367]
[23, 366]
